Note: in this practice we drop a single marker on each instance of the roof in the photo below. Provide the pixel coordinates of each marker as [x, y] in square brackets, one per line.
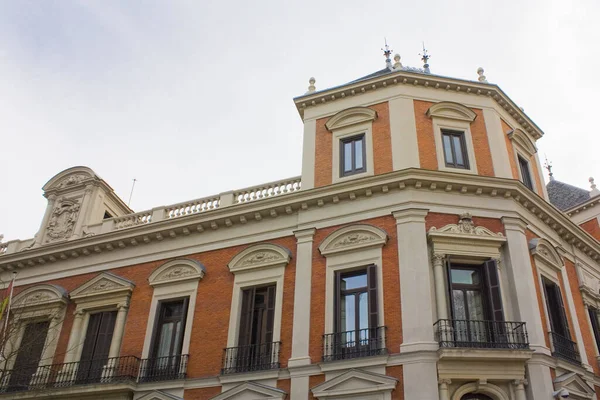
[564, 196]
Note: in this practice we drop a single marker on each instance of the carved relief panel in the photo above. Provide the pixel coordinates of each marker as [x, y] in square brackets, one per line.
[62, 220]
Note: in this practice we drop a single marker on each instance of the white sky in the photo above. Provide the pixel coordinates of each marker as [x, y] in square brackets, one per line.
[194, 98]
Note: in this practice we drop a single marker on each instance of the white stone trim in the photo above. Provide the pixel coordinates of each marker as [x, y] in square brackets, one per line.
[544, 253]
[440, 124]
[486, 388]
[365, 128]
[308, 153]
[577, 387]
[522, 140]
[255, 390]
[259, 271]
[368, 385]
[159, 395]
[351, 116]
[178, 270]
[259, 256]
[403, 129]
[103, 287]
[351, 238]
[451, 110]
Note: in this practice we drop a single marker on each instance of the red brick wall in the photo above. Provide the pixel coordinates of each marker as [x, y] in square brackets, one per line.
[391, 288]
[313, 381]
[483, 154]
[425, 139]
[201, 394]
[382, 146]
[396, 372]
[592, 227]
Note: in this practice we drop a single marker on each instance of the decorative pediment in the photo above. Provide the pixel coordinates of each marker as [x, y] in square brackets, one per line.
[40, 295]
[352, 238]
[353, 383]
[350, 116]
[159, 395]
[466, 239]
[251, 391]
[578, 389]
[451, 110]
[69, 178]
[264, 255]
[524, 141]
[103, 285]
[542, 250]
[178, 270]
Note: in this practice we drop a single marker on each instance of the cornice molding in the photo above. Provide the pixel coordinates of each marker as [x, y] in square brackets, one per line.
[259, 256]
[429, 81]
[350, 116]
[451, 110]
[297, 202]
[351, 238]
[542, 250]
[524, 141]
[175, 271]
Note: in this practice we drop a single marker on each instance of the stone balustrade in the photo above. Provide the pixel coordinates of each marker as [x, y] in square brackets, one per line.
[227, 199]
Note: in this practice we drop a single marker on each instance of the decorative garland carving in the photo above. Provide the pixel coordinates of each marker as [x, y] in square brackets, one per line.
[353, 237]
[62, 220]
[260, 256]
[466, 226]
[176, 271]
[71, 180]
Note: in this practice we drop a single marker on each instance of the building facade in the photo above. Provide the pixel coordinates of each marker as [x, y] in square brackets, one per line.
[418, 256]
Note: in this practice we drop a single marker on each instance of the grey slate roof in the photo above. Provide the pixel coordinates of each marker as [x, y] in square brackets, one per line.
[564, 196]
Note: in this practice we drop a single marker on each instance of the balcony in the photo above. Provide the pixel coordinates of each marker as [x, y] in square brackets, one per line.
[481, 334]
[127, 369]
[564, 348]
[254, 357]
[354, 344]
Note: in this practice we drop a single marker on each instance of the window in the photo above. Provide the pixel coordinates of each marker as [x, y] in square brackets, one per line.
[525, 175]
[28, 356]
[356, 333]
[96, 346]
[352, 155]
[166, 359]
[594, 319]
[455, 149]
[476, 304]
[562, 345]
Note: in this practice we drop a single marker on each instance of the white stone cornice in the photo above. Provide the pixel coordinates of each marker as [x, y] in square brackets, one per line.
[305, 235]
[380, 185]
[433, 81]
[410, 215]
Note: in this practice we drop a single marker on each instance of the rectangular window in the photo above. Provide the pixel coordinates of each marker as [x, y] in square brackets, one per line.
[96, 345]
[525, 175]
[455, 149]
[28, 356]
[594, 319]
[352, 155]
[556, 309]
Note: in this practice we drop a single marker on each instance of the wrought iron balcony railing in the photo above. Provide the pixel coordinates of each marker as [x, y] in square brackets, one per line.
[481, 334]
[564, 348]
[354, 344]
[254, 357]
[101, 371]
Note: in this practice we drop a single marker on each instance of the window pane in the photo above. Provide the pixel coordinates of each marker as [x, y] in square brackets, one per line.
[354, 281]
[459, 305]
[347, 156]
[465, 276]
[166, 334]
[448, 149]
[348, 313]
[458, 150]
[475, 305]
[358, 153]
[363, 318]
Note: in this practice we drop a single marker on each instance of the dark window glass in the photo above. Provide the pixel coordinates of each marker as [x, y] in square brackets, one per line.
[455, 150]
[168, 335]
[556, 309]
[28, 356]
[352, 155]
[258, 314]
[524, 167]
[595, 324]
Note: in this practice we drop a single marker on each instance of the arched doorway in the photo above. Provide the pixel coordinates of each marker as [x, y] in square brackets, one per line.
[475, 396]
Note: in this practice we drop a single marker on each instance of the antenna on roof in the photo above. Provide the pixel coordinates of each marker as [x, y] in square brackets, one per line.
[425, 58]
[386, 53]
[548, 166]
[131, 194]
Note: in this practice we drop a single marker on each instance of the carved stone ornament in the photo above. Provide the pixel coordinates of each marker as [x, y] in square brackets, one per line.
[71, 180]
[177, 270]
[260, 256]
[62, 220]
[101, 285]
[466, 226]
[353, 237]
[39, 295]
[544, 251]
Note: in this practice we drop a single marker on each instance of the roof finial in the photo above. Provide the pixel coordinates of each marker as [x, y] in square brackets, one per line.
[386, 53]
[594, 192]
[425, 57]
[482, 77]
[548, 166]
[311, 87]
[397, 63]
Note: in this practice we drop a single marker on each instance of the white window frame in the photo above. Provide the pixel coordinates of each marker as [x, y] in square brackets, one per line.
[519, 153]
[440, 125]
[338, 135]
[174, 280]
[257, 265]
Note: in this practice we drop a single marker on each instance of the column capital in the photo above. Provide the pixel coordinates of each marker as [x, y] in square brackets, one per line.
[410, 215]
[78, 313]
[445, 381]
[519, 383]
[305, 235]
[437, 258]
[514, 224]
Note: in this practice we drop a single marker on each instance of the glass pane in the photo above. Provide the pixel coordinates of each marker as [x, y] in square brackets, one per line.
[164, 346]
[347, 156]
[358, 153]
[178, 337]
[475, 305]
[465, 276]
[448, 149]
[354, 281]
[459, 305]
[363, 317]
[347, 313]
[173, 309]
[458, 150]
